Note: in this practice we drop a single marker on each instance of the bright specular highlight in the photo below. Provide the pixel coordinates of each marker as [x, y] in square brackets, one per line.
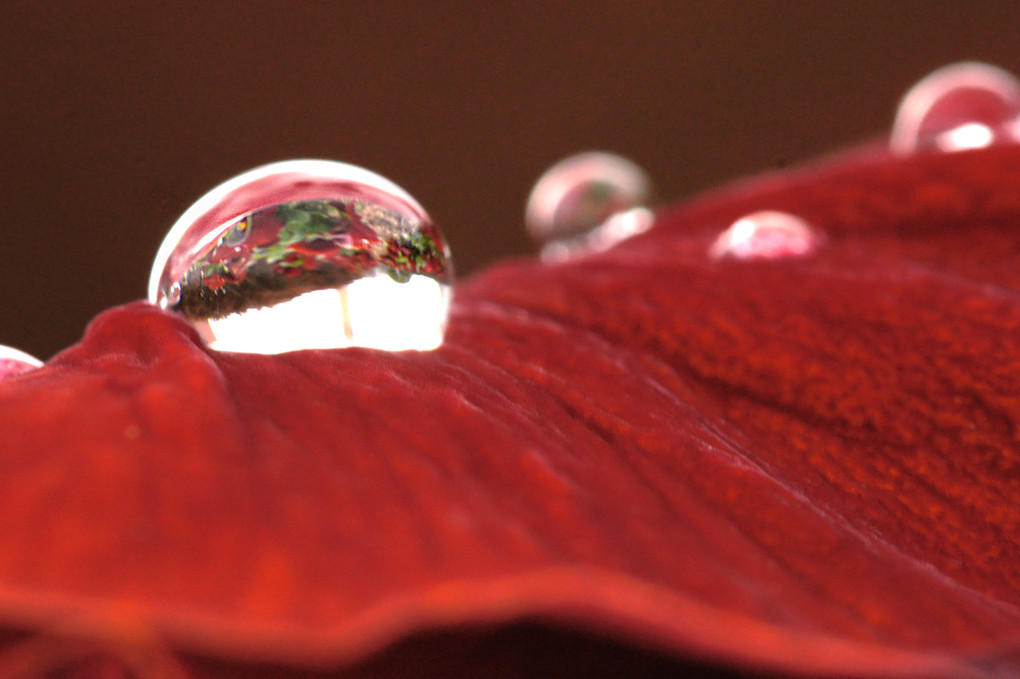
[15, 362]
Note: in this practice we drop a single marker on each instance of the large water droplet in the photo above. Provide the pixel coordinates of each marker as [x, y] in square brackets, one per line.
[14, 362]
[588, 203]
[958, 107]
[306, 254]
[766, 235]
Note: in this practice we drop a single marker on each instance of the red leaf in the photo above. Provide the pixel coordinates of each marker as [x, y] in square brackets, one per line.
[807, 465]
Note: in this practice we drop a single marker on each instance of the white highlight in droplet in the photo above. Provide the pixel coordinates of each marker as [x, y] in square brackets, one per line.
[374, 311]
[619, 227]
[968, 136]
[15, 362]
[397, 316]
[769, 234]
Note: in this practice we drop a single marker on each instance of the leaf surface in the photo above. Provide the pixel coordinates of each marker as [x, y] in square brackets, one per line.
[801, 466]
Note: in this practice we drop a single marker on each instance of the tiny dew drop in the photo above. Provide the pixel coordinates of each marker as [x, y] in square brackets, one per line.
[958, 107]
[588, 203]
[306, 254]
[14, 362]
[765, 235]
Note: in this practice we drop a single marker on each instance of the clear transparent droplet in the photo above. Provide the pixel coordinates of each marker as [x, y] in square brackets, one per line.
[958, 107]
[14, 362]
[307, 254]
[766, 235]
[588, 203]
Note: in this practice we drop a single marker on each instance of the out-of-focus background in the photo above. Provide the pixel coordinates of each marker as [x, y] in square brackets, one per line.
[115, 116]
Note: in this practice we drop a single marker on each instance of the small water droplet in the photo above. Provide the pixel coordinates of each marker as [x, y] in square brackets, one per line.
[587, 203]
[306, 254]
[765, 235]
[14, 362]
[961, 106]
[172, 296]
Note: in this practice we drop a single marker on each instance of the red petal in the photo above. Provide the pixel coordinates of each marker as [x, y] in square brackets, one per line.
[807, 465]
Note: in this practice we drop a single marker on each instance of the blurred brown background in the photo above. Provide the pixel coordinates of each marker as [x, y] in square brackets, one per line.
[116, 116]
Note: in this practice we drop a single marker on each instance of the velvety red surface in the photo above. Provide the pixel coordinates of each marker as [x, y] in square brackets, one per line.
[802, 466]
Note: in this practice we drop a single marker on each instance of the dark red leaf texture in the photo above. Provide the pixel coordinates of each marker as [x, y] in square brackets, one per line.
[645, 461]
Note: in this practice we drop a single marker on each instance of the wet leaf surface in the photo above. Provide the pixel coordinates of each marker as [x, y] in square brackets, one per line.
[671, 463]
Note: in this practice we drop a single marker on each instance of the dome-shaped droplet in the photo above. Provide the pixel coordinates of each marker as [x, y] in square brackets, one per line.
[306, 254]
[766, 235]
[588, 203]
[958, 107]
[14, 362]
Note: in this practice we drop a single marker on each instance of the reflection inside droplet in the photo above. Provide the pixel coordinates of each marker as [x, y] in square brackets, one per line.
[958, 107]
[588, 203]
[765, 235]
[307, 255]
[14, 362]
